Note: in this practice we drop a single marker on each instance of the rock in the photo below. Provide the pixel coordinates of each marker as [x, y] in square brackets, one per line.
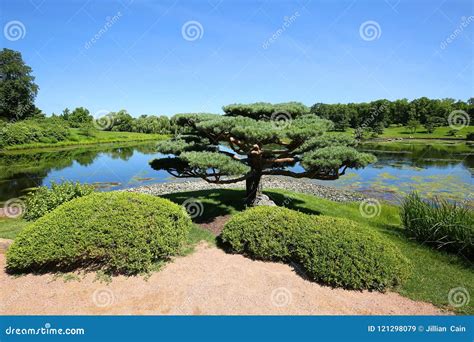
[268, 182]
[263, 200]
[4, 244]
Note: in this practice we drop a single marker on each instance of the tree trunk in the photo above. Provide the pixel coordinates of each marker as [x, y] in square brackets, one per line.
[253, 188]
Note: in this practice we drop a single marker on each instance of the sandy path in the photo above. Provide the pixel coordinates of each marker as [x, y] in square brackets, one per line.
[208, 281]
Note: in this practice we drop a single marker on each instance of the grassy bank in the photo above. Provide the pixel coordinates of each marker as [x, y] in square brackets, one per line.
[421, 133]
[435, 273]
[100, 137]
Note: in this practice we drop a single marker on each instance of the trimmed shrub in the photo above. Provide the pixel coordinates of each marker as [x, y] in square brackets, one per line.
[265, 232]
[44, 199]
[334, 251]
[439, 223]
[341, 253]
[117, 232]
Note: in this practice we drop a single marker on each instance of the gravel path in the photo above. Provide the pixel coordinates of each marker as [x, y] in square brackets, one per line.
[269, 182]
[207, 282]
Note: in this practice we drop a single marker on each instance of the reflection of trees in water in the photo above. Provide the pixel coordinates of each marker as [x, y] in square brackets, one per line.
[16, 187]
[21, 171]
[423, 155]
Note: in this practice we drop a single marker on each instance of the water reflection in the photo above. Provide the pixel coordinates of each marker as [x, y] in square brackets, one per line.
[22, 171]
[437, 169]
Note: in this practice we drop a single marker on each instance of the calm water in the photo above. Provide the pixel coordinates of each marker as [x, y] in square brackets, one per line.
[433, 170]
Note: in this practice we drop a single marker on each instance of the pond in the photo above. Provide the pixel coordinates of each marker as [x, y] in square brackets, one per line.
[436, 169]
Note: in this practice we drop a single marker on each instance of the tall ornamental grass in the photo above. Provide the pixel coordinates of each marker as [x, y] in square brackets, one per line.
[444, 225]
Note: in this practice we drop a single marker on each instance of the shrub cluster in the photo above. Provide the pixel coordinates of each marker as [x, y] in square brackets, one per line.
[334, 251]
[117, 232]
[33, 131]
[44, 199]
[341, 253]
[439, 223]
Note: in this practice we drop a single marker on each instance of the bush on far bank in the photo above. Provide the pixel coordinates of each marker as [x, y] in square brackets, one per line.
[43, 199]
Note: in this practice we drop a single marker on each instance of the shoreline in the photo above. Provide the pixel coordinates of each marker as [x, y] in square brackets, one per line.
[61, 147]
[268, 182]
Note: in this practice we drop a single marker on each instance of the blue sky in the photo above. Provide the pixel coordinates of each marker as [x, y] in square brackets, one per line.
[319, 52]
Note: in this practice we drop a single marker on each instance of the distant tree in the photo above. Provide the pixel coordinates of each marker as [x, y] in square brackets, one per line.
[258, 142]
[65, 114]
[413, 125]
[379, 128]
[430, 128]
[79, 117]
[17, 87]
[152, 124]
[119, 121]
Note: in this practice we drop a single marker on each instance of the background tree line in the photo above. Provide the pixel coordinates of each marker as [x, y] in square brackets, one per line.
[378, 114]
[18, 91]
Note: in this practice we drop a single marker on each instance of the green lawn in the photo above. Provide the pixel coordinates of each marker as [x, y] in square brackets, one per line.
[439, 133]
[9, 228]
[101, 137]
[435, 273]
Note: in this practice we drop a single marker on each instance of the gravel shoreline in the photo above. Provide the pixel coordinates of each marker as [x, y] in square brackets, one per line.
[269, 182]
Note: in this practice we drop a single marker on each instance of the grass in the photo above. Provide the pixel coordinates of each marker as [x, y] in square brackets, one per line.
[100, 137]
[9, 228]
[421, 133]
[448, 146]
[435, 272]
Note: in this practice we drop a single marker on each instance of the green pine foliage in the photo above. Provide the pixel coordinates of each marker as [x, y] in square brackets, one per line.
[262, 139]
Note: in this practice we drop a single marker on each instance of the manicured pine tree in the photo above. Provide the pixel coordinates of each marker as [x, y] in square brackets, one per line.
[255, 140]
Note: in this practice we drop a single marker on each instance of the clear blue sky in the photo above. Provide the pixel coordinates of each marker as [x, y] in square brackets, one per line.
[143, 64]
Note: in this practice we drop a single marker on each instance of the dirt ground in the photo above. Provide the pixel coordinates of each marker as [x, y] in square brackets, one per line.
[207, 282]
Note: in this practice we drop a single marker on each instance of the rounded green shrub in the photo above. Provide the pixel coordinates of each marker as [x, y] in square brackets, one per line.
[333, 251]
[117, 232]
[265, 232]
[43, 199]
[341, 253]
